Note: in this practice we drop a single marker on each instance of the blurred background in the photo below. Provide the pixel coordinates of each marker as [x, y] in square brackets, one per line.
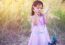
[15, 23]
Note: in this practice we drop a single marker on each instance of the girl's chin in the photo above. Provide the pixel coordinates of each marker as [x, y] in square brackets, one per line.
[38, 13]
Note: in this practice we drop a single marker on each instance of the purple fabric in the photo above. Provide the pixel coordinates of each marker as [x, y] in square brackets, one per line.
[41, 20]
[39, 33]
[39, 36]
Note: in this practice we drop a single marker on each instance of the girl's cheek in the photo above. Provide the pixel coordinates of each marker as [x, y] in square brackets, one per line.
[36, 10]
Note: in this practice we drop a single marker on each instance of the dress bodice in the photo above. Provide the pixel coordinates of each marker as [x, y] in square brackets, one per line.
[41, 20]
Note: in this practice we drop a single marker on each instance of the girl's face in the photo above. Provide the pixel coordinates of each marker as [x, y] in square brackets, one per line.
[37, 9]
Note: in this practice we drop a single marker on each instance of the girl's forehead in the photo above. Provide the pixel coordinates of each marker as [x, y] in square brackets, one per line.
[39, 6]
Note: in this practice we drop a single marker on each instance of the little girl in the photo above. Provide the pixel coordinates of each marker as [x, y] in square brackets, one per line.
[39, 33]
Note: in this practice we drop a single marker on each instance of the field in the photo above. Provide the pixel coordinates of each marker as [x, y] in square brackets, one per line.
[15, 23]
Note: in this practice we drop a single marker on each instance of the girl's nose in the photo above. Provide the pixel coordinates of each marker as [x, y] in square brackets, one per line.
[39, 9]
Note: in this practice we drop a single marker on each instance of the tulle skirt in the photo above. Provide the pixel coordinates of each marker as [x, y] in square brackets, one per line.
[39, 36]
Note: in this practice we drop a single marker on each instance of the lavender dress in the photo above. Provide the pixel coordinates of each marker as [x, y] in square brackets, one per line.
[39, 33]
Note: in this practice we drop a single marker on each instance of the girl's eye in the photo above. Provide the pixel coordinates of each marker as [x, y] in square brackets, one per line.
[39, 8]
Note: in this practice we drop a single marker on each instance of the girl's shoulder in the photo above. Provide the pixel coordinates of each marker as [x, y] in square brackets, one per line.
[42, 15]
[32, 16]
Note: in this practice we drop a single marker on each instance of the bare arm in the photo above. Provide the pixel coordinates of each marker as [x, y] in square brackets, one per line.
[34, 20]
[46, 18]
